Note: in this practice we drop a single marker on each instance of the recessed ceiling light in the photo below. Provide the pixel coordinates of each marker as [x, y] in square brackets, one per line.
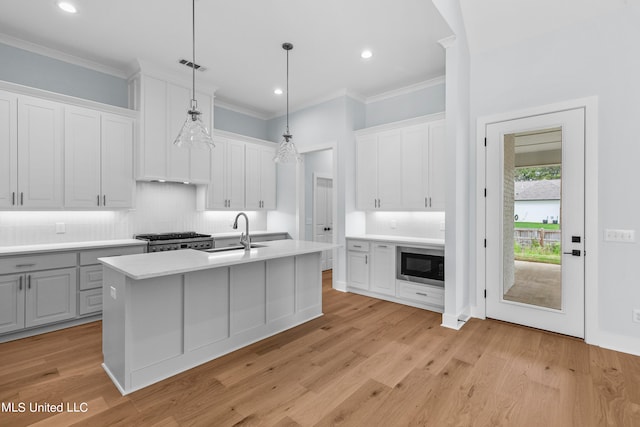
[278, 91]
[366, 54]
[67, 7]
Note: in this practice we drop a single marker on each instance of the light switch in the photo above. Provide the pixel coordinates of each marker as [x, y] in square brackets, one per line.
[113, 292]
[627, 236]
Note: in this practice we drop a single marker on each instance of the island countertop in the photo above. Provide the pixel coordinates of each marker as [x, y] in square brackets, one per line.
[157, 264]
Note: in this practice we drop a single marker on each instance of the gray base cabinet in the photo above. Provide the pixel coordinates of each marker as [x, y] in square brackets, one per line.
[37, 291]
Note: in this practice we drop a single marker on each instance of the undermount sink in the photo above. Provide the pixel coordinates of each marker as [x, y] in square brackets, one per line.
[233, 248]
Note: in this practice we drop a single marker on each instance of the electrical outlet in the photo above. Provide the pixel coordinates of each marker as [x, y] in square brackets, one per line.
[442, 226]
[636, 315]
[113, 292]
[393, 223]
[60, 228]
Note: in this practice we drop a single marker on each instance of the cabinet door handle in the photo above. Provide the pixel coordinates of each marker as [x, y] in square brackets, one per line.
[366, 259]
[429, 201]
[13, 198]
[104, 200]
[382, 246]
[29, 281]
[421, 294]
[357, 246]
[98, 199]
[30, 264]
[20, 283]
[426, 205]
[22, 198]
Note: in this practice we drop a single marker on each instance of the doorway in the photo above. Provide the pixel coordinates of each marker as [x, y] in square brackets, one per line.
[323, 215]
[535, 221]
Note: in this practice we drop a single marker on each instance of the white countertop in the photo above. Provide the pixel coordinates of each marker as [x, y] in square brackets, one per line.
[145, 266]
[67, 246]
[399, 239]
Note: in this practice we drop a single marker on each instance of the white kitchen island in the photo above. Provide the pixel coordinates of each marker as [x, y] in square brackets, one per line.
[164, 313]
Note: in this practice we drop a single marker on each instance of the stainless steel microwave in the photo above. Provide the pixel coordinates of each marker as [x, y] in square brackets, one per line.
[420, 265]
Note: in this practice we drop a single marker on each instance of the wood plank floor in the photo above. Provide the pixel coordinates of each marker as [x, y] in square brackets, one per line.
[365, 363]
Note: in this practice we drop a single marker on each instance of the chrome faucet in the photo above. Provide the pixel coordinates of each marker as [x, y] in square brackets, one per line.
[245, 240]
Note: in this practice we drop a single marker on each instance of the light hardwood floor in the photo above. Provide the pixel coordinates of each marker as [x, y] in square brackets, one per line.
[365, 363]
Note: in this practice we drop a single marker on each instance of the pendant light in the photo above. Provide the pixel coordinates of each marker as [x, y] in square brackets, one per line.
[287, 152]
[194, 133]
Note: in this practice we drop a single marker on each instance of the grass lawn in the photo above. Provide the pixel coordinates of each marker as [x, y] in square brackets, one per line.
[537, 225]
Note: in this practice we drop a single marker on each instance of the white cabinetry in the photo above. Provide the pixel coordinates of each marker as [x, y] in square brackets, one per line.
[383, 268]
[260, 183]
[163, 105]
[378, 162]
[226, 189]
[30, 152]
[400, 166]
[358, 264]
[8, 150]
[98, 159]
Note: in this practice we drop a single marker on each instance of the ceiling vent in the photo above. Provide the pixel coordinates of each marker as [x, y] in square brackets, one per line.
[190, 64]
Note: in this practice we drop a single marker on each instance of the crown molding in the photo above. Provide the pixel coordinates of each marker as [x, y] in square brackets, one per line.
[447, 42]
[61, 56]
[406, 90]
[317, 101]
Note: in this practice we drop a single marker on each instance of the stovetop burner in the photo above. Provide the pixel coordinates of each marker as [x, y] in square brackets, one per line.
[170, 236]
[158, 242]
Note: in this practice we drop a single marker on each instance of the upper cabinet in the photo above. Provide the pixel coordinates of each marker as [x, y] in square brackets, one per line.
[401, 166]
[226, 190]
[55, 153]
[243, 174]
[260, 181]
[163, 105]
[31, 134]
[98, 159]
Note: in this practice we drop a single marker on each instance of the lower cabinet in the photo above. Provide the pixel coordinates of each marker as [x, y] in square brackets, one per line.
[38, 290]
[371, 270]
[38, 298]
[383, 268]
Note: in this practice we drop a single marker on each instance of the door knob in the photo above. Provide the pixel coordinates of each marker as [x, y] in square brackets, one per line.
[575, 252]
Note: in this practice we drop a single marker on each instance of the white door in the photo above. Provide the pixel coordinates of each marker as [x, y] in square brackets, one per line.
[117, 161]
[323, 216]
[81, 158]
[40, 153]
[8, 149]
[522, 285]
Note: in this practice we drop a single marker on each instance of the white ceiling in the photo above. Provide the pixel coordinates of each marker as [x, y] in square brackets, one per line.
[240, 42]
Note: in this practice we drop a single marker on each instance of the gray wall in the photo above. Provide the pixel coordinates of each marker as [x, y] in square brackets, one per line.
[599, 58]
[42, 72]
[232, 121]
[419, 103]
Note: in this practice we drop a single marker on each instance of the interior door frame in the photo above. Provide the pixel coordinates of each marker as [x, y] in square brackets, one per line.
[591, 240]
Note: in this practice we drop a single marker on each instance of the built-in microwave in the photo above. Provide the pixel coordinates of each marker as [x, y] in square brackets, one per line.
[421, 265]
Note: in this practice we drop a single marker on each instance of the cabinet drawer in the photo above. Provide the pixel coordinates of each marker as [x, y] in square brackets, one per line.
[91, 277]
[37, 262]
[424, 294]
[90, 301]
[358, 245]
[91, 256]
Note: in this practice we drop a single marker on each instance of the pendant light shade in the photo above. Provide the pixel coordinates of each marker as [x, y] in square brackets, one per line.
[287, 152]
[194, 133]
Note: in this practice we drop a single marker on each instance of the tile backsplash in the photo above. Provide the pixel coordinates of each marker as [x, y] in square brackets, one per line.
[411, 224]
[160, 207]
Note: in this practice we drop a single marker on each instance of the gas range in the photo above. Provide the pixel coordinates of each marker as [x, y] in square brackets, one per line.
[158, 242]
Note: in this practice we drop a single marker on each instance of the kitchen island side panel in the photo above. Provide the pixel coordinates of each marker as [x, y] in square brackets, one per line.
[114, 325]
